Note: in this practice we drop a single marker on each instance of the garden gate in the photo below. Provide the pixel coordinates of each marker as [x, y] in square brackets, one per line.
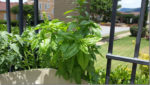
[134, 60]
[109, 56]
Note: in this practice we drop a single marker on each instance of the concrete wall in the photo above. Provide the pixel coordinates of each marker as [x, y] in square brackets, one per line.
[32, 77]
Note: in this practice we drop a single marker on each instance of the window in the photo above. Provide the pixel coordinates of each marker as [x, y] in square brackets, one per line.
[40, 6]
[49, 17]
[53, 11]
[17, 18]
[5, 17]
[46, 7]
[41, 17]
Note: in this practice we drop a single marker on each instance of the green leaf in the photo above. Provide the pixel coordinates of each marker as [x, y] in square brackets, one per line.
[15, 48]
[34, 44]
[84, 22]
[64, 47]
[83, 60]
[67, 12]
[91, 40]
[84, 48]
[73, 25]
[2, 58]
[19, 39]
[71, 51]
[77, 74]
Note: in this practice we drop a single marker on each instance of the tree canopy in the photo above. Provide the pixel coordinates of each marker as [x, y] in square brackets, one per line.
[101, 8]
[27, 10]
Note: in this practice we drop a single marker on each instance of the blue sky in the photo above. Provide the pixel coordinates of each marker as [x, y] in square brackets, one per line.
[124, 3]
[130, 3]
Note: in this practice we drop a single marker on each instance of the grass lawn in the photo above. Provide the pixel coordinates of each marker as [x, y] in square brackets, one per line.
[122, 47]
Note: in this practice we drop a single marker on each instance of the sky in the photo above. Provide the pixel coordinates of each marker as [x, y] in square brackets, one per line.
[124, 3]
[130, 3]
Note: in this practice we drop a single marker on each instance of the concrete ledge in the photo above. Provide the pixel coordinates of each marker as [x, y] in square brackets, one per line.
[35, 76]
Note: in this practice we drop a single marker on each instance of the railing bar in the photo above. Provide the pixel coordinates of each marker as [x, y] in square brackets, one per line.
[138, 40]
[108, 71]
[112, 30]
[8, 16]
[21, 16]
[111, 39]
[36, 13]
[128, 59]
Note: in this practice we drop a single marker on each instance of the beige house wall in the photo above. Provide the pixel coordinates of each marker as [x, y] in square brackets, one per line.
[56, 8]
[61, 6]
[3, 16]
[46, 6]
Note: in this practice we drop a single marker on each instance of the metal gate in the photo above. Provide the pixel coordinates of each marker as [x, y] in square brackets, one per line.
[134, 60]
[109, 56]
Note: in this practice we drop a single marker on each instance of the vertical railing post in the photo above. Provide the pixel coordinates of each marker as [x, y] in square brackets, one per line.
[36, 18]
[111, 39]
[138, 39]
[21, 16]
[8, 16]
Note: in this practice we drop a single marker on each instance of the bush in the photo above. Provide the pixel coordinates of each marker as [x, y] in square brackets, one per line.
[134, 31]
[120, 75]
[144, 68]
[13, 22]
[3, 22]
[3, 27]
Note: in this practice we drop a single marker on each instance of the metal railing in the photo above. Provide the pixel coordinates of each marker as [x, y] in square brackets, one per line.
[21, 15]
[109, 56]
[134, 60]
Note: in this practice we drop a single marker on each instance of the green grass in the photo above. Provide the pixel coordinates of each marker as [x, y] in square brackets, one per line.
[118, 33]
[122, 47]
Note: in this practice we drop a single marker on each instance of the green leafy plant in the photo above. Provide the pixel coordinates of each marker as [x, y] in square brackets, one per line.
[120, 75]
[69, 47]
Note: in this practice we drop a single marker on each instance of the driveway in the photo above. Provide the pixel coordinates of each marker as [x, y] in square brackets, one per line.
[106, 30]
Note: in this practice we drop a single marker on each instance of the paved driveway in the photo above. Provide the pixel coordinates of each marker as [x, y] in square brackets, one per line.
[106, 30]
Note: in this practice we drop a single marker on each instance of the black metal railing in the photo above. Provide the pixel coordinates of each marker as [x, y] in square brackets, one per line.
[134, 60]
[21, 23]
[109, 56]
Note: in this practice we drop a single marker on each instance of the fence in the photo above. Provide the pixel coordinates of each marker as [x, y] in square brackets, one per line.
[21, 15]
[134, 60]
[109, 56]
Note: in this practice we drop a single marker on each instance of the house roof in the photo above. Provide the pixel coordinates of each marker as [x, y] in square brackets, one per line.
[3, 5]
[134, 13]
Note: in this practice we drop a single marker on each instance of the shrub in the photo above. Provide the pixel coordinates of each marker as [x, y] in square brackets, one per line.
[3, 22]
[3, 27]
[134, 31]
[13, 22]
[144, 68]
[120, 75]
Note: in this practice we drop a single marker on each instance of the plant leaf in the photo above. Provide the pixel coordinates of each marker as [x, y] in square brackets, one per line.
[71, 51]
[83, 60]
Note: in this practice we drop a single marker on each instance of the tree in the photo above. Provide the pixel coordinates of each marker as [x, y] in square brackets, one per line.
[27, 10]
[103, 8]
[146, 14]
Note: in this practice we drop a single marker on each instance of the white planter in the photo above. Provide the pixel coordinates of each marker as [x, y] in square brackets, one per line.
[35, 76]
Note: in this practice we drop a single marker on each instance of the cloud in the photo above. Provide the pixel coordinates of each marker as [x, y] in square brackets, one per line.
[130, 3]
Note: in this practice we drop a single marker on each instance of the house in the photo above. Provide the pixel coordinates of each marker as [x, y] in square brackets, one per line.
[54, 9]
[133, 13]
[3, 10]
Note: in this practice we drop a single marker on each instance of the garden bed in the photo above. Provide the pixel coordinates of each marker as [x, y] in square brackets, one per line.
[35, 76]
